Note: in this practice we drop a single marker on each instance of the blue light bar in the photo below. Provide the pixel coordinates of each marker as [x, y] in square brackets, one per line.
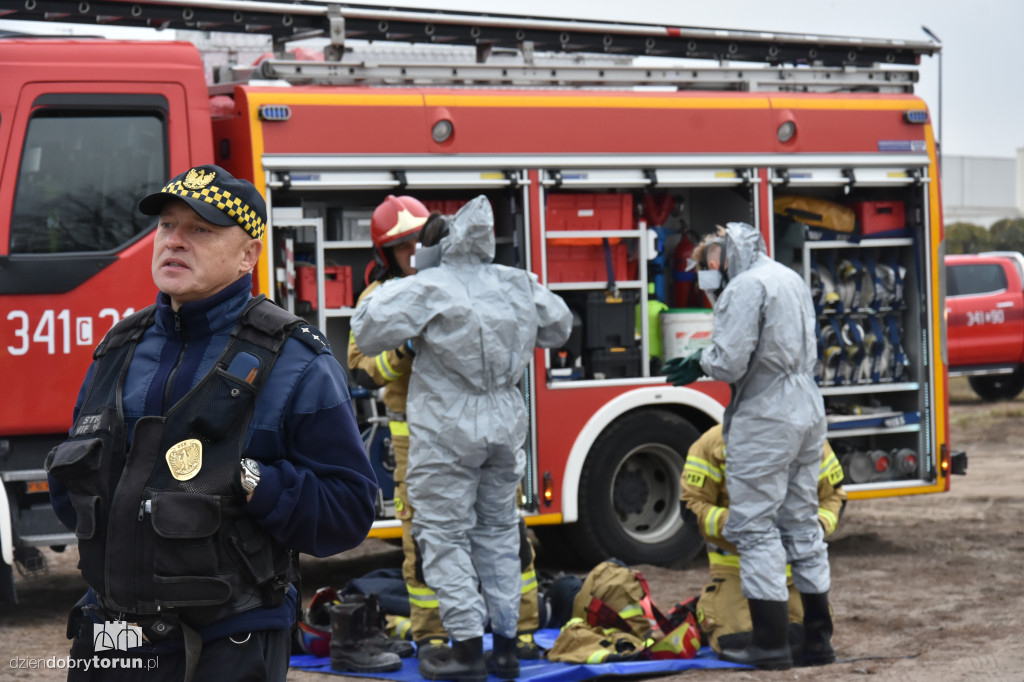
[275, 112]
[919, 116]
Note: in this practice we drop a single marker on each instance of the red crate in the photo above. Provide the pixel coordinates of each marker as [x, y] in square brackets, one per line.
[585, 263]
[879, 216]
[444, 206]
[588, 212]
[337, 286]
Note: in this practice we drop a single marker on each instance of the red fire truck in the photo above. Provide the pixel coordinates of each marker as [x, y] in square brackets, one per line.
[602, 172]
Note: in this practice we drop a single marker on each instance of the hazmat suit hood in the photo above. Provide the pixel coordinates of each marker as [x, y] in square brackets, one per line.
[470, 237]
[743, 246]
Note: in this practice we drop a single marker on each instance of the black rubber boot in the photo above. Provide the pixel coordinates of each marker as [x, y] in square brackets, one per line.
[464, 664]
[349, 652]
[432, 647]
[376, 628]
[796, 642]
[769, 642]
[817, 630]
[503, 662]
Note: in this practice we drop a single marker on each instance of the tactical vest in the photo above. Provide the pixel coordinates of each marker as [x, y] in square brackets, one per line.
[161, 527]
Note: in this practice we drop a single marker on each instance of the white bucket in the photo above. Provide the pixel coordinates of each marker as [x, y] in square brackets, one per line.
[685, 331]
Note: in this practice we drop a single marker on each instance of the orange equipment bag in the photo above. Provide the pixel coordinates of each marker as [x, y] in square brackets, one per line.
[816, 212]
[614, 596]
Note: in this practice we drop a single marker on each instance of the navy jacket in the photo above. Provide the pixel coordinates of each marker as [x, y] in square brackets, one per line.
[317, 488]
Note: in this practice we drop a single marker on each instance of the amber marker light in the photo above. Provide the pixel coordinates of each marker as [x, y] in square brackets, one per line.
[548, 491]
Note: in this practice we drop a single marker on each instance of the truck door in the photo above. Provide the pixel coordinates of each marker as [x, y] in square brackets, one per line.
[73, 254]
[985, 311]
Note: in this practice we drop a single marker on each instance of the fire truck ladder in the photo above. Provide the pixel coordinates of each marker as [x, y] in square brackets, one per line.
[287, 21]
[768, 78]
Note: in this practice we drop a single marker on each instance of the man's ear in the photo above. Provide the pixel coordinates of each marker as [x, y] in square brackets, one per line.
[251, 251]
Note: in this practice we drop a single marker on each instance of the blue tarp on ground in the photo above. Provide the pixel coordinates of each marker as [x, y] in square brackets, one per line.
[543, 670]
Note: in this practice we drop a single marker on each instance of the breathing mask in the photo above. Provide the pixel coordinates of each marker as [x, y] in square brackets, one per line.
[709, 280]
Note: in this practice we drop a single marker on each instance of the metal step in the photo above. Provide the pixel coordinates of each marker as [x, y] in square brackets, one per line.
[290, 21]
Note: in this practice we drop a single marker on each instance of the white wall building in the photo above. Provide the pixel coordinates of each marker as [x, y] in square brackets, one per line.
[982, 189]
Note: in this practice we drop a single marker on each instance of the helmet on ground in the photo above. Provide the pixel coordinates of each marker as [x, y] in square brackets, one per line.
[315, 625]
[396, 220]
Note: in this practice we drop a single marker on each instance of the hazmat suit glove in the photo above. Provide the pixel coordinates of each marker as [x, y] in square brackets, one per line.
[683, 371]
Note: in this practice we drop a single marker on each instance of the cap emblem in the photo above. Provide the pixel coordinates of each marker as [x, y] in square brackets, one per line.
[198, 178]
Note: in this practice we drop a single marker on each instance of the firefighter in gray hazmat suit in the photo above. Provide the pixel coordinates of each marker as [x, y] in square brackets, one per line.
[473, 325]
[763, 345]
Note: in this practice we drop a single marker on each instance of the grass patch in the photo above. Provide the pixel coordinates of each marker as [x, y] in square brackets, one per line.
[1008, 410]
[973, 422]
[996, 421]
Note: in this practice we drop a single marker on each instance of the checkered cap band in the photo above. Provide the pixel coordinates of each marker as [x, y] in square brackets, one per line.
[231, 206]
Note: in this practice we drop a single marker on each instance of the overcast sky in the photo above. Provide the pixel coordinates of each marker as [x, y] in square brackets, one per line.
[982, 107]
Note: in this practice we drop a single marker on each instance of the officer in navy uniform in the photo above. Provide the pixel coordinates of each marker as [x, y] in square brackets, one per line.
[213, 440]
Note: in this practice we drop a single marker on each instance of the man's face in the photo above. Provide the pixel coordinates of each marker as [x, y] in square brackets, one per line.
[194, 259]
[403, 255]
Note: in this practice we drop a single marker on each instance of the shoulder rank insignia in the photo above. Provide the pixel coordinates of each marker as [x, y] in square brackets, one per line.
[198, 179]
[312, 337]
[185, 459]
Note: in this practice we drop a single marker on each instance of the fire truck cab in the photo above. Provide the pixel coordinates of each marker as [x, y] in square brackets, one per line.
[602, 178]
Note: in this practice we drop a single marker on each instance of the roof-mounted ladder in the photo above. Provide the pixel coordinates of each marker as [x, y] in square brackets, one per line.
[537, 74]
[286, 21]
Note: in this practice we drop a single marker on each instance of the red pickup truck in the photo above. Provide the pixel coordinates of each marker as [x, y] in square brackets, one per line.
[985, 322]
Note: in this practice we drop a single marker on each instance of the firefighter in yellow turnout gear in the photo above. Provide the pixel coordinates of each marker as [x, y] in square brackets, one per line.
[395, 227]
[723, 612]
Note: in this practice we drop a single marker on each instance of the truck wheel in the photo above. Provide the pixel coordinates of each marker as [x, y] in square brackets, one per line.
[997, 387]
[629, 504]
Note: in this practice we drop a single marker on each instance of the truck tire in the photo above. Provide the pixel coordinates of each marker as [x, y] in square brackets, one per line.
[997, 387]
[629, 497]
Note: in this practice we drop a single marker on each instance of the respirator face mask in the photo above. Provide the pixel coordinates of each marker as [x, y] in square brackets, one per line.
[709, 280]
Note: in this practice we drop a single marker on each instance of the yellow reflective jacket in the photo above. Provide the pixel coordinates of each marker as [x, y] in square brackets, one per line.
[704, 492]
[389, 369]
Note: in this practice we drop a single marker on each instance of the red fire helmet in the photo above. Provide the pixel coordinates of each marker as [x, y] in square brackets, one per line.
[397, 219]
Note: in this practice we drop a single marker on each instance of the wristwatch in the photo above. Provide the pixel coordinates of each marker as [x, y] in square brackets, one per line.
[250, 475]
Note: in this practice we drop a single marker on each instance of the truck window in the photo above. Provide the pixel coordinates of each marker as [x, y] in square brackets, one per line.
[81, 177]
[975, 279]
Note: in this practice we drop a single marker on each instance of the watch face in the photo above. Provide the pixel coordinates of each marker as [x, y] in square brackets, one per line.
[250, 474]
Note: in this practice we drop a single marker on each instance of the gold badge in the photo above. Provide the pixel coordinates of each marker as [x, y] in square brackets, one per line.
[198, 179]
[185, 459]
